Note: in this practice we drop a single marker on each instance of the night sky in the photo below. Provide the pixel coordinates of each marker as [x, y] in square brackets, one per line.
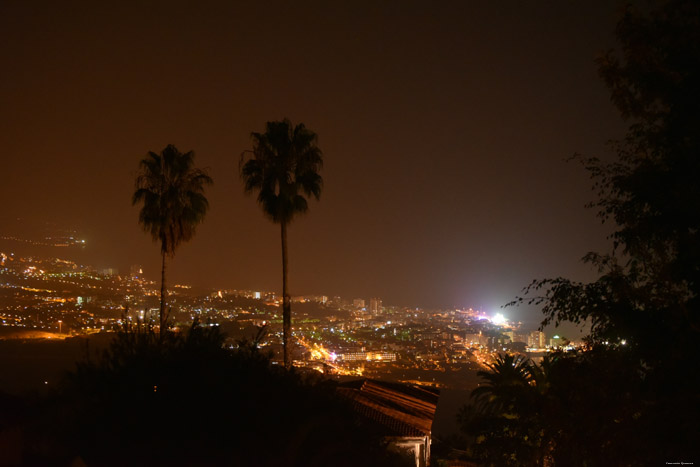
[444, 127]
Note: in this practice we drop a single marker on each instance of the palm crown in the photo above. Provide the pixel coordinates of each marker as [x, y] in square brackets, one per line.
[509, 378]
[172, 192]
[284, 168]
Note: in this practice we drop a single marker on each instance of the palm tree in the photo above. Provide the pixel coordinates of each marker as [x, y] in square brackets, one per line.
[508, 376]
[506, 419]
[172, 192]
[283, 168]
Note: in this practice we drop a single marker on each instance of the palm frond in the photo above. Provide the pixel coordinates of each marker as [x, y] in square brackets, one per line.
[283, 167]
[171, 191]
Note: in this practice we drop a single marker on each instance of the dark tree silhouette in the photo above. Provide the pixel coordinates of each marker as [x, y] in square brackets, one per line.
[504, 421]
[506, 376]
[171, 190]
[650, 293]
[183, 399]
[644, 310]
[283, 167]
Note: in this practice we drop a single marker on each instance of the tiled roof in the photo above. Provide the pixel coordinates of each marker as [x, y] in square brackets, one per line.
[400, 409]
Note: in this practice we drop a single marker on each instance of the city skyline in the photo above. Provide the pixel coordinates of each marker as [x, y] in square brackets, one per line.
[443, 127]
[53, 299]
[69, 249]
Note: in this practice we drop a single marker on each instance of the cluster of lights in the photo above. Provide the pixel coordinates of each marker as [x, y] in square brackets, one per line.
[499, 319]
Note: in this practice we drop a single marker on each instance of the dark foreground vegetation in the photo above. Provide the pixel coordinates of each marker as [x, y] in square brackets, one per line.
[633, 397]
[187, 401]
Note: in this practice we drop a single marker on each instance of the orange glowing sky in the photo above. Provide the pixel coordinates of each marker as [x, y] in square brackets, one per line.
[444, 127]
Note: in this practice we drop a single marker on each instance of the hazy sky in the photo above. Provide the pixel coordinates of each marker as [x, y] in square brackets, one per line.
[444, 127]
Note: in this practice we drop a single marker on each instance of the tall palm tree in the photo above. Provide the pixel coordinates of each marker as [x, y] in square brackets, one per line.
[172, 192]
[283, 167]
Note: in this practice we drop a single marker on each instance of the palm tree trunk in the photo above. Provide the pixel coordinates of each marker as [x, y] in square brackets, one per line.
[286, 303]
[162, 298]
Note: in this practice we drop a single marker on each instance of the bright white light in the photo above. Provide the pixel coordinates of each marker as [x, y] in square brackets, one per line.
[498, 319]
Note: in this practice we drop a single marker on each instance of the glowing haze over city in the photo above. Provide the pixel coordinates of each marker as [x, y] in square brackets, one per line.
[444, 137]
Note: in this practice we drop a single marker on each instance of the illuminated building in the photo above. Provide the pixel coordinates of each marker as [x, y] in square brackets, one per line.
[375, 306]
[536, 340]
[358, 303]
[367, 356]
[557, 341]
[520, 338]
[136, 271]
[476, 339]
[516, 337]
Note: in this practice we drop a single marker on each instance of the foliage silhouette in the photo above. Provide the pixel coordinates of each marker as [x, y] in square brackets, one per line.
[283, 167]
[649, 293]
[172, 192]
[504, 420]
[574, 408]
[185, 400]
[631, 399]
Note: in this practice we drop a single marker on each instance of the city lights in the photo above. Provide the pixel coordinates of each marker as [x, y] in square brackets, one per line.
[498, 319]
[348, 338]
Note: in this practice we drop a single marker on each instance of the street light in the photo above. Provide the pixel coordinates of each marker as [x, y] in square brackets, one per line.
[59, 326]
